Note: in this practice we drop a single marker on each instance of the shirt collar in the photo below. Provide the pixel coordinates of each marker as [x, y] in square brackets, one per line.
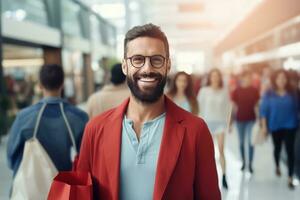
[52, 100]
[130, 121]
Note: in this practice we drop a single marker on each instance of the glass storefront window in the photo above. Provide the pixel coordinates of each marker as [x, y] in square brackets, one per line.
[95, 30]
[70, 18]
[25, 10]
[108, 34]
[21, 67]
[74, 77]
[111, 36]
[104, 33]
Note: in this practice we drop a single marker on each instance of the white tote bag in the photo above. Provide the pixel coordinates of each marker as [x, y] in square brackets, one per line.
[36, 171]
[257, 136]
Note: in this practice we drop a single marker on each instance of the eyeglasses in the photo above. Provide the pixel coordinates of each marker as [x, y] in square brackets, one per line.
[138, 61]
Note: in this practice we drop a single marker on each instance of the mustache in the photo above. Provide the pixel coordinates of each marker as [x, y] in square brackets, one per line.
[148, 75]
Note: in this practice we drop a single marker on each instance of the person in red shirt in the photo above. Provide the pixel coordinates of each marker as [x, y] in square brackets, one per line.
[245, 98]
[185, 167]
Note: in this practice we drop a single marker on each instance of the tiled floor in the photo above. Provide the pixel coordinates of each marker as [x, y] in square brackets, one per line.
[262, 185]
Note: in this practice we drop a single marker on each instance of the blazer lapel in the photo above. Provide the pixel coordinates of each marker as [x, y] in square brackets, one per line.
[112, 147]
[169, 149]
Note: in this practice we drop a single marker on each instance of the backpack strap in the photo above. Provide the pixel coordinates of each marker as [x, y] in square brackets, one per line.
[68, 126]
[38, 120]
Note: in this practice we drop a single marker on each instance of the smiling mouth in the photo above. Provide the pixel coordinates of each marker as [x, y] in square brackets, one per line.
[147, 80]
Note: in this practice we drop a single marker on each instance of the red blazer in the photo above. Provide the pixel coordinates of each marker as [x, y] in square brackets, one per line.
[186, 165]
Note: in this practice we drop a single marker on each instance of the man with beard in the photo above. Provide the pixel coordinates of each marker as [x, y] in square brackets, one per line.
[149, 148]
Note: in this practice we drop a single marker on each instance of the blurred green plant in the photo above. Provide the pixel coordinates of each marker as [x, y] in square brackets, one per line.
[5, 122]
[107, 63]
[112, 61]
[5, 105]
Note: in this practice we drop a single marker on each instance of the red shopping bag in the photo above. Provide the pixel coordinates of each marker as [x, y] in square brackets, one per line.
[73, 185]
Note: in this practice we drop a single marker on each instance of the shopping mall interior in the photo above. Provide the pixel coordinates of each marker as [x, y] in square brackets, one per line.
[86, 38]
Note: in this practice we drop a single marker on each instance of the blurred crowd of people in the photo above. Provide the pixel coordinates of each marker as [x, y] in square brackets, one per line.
[269, 100]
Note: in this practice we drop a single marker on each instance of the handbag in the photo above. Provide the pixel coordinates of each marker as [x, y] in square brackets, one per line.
[36, 171]
[257, 136]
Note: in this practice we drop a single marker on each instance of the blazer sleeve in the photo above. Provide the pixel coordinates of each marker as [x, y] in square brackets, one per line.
[85, 155]
[206, 185]
[81, 129]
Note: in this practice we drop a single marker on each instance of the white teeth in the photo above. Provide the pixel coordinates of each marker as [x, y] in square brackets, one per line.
[147, 79]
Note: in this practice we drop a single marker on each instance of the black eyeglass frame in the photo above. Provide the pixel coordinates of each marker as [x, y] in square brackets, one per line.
[157, 67]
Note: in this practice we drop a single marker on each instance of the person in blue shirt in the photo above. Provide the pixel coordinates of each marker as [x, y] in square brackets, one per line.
[52, 133]
[279, 114]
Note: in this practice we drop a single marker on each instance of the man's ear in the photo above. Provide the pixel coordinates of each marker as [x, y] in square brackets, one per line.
[124, 67]
[168, 65]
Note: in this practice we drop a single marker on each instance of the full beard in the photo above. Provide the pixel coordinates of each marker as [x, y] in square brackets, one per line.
[150, 94]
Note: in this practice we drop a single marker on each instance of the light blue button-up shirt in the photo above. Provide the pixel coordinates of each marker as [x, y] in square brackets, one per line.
[139, 159]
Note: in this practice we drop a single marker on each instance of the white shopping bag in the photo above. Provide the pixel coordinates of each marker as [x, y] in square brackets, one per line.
[35, 174]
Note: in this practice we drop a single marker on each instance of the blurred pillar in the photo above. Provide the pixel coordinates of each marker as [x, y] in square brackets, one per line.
[89, 76]
[54, 10]
[4, 101]
[52, 55]
[1, 55]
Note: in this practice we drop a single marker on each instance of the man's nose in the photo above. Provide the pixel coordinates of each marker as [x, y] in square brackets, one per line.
[147, 66]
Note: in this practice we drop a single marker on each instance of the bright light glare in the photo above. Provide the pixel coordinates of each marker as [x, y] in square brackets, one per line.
[291, 63]
[110, 11]
[133, 5]
[190, 62]
[95, 66]
[18, 15]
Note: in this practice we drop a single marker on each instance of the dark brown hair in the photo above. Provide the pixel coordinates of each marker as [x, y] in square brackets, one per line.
[147, 30]
[220, 75]
[51, 76]
[189, 92]
[274, 76]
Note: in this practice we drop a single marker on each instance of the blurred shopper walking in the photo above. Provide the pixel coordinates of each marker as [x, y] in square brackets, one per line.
[110, 95]
[182, 93]
[245, 101]
[215, 108]
[266, 84]
[294, 80]
[148, 147]
[279, 114]
[46, 117]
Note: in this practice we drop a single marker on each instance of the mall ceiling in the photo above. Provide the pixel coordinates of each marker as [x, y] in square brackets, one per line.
[189, 24]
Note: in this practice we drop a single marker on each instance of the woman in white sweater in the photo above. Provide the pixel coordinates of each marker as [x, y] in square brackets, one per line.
[214, 103]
